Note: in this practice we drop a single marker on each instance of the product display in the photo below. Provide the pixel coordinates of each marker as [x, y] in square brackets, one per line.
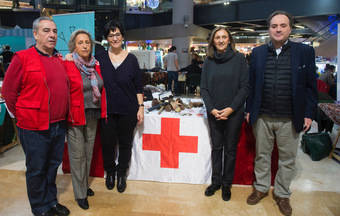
[181, 106]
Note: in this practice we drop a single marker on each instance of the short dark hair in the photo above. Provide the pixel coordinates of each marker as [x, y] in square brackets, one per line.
[329, 67]
[279, 12]
[173, 48]
[112, 26]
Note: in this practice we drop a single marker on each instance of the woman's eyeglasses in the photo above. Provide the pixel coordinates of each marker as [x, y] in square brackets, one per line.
[117, 35]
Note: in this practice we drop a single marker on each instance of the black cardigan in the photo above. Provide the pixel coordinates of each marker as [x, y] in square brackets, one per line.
[121, 84]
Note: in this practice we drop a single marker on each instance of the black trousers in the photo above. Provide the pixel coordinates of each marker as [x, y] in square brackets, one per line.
[224, 135]
[117, 130]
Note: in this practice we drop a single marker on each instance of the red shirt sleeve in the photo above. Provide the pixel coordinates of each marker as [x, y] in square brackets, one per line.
[12, 83]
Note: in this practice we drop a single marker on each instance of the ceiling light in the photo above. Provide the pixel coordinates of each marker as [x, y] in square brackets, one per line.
[219, 25]
[316, 44]
[247, 29]
[299, 26]
[226, 2]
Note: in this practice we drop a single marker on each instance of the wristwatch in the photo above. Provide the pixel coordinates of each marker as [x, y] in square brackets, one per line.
[141, 105]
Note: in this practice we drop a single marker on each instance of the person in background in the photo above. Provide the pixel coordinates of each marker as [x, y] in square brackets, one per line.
[196, 65]
[171, 66]
[193, 77]
[282, 102]
[7, 55]
[36, 92]
[124, 88]
[328, 75]
[15, 4]
[2, 71]
[88, 104]
[224, 89]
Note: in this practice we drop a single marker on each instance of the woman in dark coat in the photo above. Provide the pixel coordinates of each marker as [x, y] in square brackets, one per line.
[224, 88]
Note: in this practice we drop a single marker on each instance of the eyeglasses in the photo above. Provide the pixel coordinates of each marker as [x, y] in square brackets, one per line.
[118, 35]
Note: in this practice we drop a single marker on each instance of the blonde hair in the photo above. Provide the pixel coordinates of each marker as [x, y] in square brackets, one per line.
[72, 41]
[211, 45]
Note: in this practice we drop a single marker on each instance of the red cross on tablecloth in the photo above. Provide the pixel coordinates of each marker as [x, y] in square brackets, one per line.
[170, 143]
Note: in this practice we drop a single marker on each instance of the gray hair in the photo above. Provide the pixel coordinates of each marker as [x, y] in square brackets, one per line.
[72, 41]
[37, 21]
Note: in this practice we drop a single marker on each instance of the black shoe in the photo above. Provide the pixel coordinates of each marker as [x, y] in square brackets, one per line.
[90, 192]
[211, 189]
[48, 213]
[121, 184]
[60, 210]
[83, 203]
[110, 180]
[226, 193]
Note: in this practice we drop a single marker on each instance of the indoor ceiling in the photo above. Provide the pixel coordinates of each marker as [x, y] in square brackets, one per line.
[312, 29]
[218, 1]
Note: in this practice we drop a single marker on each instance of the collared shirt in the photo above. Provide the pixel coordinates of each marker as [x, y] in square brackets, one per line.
[55, 52]
[278, 50]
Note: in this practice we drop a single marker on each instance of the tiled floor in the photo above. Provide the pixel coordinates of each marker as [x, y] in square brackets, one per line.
[316, 191]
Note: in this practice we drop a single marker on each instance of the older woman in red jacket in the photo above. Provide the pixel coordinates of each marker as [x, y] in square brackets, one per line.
[88, 104]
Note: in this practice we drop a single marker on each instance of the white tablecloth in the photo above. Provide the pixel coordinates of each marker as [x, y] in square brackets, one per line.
[158, 147]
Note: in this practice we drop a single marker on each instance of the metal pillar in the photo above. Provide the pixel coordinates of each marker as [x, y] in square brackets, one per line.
[182, 13]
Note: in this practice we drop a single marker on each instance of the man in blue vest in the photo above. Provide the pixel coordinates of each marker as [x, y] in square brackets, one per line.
[282, 102]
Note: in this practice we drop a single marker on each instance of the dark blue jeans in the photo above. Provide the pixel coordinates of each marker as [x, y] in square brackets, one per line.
[44, 153]
[173, 75]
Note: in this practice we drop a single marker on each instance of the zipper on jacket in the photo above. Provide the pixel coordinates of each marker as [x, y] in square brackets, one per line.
[49, 113]
[276, 60]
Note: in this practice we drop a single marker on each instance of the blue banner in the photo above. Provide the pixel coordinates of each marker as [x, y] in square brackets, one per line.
[68, 23]
[16, 43]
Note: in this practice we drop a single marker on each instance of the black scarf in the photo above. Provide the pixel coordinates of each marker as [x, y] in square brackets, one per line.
[223, 57]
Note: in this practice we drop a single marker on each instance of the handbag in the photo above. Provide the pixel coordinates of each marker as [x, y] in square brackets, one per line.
[316, 145]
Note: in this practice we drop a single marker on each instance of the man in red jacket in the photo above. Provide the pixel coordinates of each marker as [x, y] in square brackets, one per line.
[36, 92]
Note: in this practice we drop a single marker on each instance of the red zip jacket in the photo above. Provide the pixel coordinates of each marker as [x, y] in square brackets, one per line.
[32, 109]
[77, 116]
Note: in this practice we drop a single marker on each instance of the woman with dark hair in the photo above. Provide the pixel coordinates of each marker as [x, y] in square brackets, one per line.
[124, 88]
[88, 104]
[224, 88]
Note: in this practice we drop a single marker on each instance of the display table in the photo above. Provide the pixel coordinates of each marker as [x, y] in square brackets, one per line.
[333, 112]
[8, 130]
[173, 148]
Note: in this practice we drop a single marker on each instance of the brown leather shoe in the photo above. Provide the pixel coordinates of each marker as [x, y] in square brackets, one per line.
[284, 205]
[255, 197]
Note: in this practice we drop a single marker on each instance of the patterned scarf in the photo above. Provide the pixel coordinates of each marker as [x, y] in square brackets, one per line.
[87, 68]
